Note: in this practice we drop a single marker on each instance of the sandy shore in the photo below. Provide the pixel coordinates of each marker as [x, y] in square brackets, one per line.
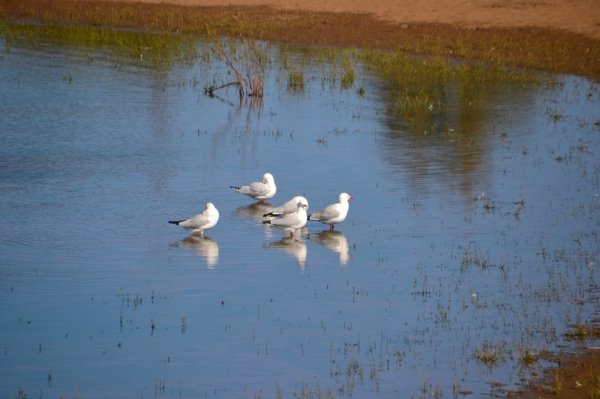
[575, 16]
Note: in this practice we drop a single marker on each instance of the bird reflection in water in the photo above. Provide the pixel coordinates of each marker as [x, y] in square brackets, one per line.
[335, 241]
[204, 246]
[254, 211]
[293, 246]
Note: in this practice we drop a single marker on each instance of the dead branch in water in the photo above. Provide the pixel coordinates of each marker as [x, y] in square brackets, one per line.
[253, 81]
[210, 89]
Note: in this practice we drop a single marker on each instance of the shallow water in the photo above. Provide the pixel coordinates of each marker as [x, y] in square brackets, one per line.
[474, 237]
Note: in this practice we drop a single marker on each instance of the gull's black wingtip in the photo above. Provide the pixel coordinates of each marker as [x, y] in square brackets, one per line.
[175, 222]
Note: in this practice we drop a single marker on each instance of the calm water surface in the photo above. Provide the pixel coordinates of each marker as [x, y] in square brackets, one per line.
[473, 238]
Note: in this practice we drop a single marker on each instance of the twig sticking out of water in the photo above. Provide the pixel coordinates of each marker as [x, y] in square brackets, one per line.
[210, 89]
[248, 75]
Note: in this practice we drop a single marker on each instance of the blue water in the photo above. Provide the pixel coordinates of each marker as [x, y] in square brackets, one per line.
[449, 248]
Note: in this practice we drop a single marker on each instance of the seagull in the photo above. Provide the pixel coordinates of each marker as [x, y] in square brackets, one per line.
[334, 213]
[199, 223]
[292, 221]
[289, 207]
[259, 191]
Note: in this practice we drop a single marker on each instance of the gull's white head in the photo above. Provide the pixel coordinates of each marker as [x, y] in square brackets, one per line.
[268, 178]
[345, 197]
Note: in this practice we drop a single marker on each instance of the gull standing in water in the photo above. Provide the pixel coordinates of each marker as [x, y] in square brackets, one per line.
[334, 213]
[289, 207]
[259, 190]
[202, 222]
[293, 221]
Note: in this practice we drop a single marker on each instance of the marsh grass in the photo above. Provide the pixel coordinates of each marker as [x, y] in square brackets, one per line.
[124, 47]
[557, 386]
[347, 80]
[336, 68]
[417, 90]
[538, 49]
[527, 358]
[295, 80]
[490, 355]
[582, 332]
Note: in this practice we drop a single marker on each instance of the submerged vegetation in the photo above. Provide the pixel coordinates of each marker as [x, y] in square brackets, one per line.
[583, 332]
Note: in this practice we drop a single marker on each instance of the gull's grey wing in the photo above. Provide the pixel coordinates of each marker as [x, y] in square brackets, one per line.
[288, 207]
[195, 222]
[327, 213]
[258, 189]
[287, 221]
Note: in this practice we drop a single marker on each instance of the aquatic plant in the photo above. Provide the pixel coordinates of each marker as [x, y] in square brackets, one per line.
[582, 332]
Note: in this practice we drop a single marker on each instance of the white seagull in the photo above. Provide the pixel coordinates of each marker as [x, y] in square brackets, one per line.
[289, 207]
[334, 213]
[259, 190]
[199, 223]
[293, 221]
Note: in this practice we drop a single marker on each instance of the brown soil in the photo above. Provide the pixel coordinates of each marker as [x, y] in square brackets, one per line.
[575, 16]
[574, 376]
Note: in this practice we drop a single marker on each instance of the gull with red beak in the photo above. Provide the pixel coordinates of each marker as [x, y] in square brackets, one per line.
[334, 213]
